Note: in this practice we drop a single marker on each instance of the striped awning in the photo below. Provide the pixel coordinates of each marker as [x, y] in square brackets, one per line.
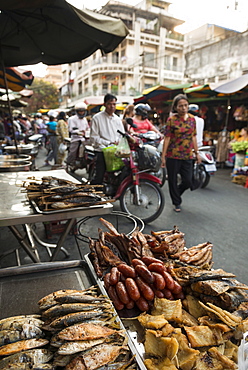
[16, 80]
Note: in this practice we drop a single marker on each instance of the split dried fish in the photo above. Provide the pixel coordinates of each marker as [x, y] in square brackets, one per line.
[22, 345]
[63, 309]
[11, 336]
[32, 356]
[85, 331]
[18, 322]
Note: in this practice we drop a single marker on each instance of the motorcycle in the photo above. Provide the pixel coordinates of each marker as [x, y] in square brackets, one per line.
[207, 166]
[133, 185]
[82, 160]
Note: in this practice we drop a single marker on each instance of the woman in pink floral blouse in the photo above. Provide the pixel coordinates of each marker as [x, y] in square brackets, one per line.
[179, 145]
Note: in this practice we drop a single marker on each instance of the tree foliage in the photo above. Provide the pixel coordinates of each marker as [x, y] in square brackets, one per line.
[46, 96]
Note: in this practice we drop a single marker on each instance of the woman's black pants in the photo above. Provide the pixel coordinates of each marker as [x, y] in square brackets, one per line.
[185, 169]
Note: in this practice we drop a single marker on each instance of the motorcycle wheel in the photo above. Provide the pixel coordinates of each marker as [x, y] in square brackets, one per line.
[161, 174]
[151, 200]
[205, 177]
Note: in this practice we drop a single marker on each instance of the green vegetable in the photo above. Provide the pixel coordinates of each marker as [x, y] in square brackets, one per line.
[239, 146]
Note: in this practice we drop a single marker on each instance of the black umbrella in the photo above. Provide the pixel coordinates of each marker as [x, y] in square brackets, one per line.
[53, 32]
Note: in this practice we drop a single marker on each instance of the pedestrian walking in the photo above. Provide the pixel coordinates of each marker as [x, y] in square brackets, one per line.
[179, 148]
[51, 128]
[62, 134]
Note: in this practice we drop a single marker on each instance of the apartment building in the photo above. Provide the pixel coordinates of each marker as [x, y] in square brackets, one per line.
[151, 54]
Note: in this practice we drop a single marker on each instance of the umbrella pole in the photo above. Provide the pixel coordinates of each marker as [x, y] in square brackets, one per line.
[9, 106]
[227, 112]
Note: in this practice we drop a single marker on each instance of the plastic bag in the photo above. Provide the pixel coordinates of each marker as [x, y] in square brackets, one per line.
[123, 149]
[62, 148]
[113, 163]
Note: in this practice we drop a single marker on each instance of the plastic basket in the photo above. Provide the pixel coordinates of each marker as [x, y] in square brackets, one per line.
[113, 163]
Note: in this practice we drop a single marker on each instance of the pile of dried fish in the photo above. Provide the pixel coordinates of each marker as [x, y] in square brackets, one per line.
[20, 339]
[216, 286]
[51, 193]
[190, 335]
[85, 332]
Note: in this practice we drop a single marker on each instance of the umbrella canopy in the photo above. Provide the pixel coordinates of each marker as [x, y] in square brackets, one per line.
[159, 93]
[16, 80]
[236, 86]
[54, 32]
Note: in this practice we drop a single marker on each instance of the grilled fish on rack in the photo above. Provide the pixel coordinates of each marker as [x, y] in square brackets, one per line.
[22, 345]
[33, 356]
[85, 331]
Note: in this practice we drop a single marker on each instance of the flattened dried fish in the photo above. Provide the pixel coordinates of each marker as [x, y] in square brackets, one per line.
[69, 348]
[11, 336]
[22, 345]
[33, 356]
[18, 322]
[74, 318]
[85, 331]
[63, 309]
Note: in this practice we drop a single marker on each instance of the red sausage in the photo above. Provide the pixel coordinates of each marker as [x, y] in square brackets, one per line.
[130, 304]
[136, 262]
[106, 281]
[179, 295]
[177, 288]
[122, 292]
[114, 276]
[143, 272]
[159, 294]
[115, 299]
[148, 260]
[145, 289]
[167, 294]
[159, 282]
[142, 304]
[127, 271]
[169, 280]
[157, 267]
[132, 289]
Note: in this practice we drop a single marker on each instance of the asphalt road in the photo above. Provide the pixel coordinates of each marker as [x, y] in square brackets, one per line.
[217, 214]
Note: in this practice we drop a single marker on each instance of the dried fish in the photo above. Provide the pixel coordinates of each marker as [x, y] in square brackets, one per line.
[85, 331]
[11, 336]
[22, 345]
[75, 318]
[17, 322]
[63, 309]
[32, 356]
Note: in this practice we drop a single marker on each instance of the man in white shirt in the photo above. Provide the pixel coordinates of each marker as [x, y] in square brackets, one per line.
[77, 126]
[103, 132]
[194, 109]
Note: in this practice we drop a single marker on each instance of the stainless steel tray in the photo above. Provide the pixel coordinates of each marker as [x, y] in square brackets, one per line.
[132, 327]
[38, 210]
[22, 287]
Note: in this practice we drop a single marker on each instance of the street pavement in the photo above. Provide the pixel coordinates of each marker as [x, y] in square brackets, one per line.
[217, 214]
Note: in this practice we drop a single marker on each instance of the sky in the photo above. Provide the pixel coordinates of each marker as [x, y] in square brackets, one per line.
[194, 12]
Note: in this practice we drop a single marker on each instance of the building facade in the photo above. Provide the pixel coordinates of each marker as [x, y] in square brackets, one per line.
[151, 54]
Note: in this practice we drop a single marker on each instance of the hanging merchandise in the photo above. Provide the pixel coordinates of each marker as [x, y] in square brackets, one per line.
[241, 113]
[222, 148]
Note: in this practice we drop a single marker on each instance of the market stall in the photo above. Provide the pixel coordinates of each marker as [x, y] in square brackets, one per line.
[16, 209]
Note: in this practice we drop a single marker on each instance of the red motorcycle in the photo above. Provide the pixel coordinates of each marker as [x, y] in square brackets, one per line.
[132, 184]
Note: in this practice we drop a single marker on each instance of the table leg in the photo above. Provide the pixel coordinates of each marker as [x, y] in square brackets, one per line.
[28, 248]
[68, 227]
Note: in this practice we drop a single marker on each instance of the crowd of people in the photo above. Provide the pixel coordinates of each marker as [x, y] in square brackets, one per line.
[180, 146]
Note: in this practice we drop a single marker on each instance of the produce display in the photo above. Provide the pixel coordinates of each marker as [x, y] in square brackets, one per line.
[51, 193]
[193, 316]
[76, 329]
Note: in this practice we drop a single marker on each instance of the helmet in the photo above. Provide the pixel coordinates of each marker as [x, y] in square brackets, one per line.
[38, 115]
[142, 110]
[194, 108]
[81, 107]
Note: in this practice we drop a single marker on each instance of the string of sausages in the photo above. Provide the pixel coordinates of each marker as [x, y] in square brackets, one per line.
[138, 284]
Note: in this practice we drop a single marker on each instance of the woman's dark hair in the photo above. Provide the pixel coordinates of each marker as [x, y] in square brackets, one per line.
[176, 100]
[61, 115]
[109, 97]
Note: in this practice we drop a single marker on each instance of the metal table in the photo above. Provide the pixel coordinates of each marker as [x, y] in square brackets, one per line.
[15, 209]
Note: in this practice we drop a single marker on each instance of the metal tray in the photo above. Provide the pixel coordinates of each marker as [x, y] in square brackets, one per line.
[132, 327]
[22, 287]
[38, 210]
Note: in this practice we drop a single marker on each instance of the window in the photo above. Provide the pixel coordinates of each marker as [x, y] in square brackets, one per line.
[174, 63]
[115, 57]
[149, 59]
[80, 88]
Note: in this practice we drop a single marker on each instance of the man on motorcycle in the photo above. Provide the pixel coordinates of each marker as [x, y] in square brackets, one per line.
[103, 132]
[77, 126]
